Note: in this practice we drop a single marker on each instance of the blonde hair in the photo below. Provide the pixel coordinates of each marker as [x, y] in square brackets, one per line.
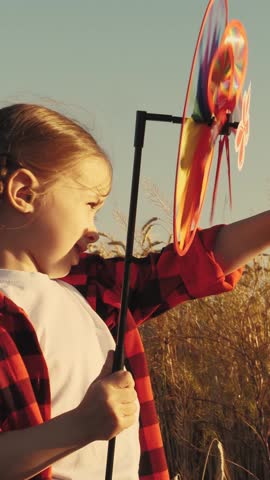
[43, 141]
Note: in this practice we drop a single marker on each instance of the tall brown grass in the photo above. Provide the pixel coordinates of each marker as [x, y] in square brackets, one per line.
[210, 363]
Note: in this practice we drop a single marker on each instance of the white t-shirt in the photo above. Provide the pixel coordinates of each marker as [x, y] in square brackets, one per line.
[74, 341]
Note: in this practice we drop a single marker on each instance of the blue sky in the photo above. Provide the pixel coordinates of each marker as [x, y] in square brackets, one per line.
[100, 61]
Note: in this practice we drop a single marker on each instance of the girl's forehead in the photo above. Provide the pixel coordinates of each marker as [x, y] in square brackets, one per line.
[95, 175]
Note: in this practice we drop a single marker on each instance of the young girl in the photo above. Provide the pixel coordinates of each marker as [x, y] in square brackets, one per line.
[59, 401]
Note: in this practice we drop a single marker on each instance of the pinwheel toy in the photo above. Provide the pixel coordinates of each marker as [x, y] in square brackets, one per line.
[214, 94]
[214, 91]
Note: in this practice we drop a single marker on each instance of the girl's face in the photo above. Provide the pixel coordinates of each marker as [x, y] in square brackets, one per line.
[64, 223]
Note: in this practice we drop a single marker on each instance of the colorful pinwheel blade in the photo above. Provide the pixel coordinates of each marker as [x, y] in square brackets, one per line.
[195, 162]
[228, 70]
[210, 35]
[197, 139]
[235, 36]
[220, 92]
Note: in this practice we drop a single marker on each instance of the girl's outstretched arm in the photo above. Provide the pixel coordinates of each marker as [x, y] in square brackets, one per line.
[239, 242]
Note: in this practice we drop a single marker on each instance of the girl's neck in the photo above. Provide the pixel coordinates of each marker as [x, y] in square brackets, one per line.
[16, 260]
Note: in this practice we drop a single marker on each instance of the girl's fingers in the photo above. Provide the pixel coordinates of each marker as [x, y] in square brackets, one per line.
[129, 409]
[121, 379]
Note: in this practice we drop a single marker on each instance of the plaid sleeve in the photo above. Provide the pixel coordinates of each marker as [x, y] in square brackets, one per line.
[162, 281]
[158, 282]
[24, 383]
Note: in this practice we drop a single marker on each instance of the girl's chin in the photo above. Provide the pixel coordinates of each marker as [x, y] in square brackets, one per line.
[62, 268]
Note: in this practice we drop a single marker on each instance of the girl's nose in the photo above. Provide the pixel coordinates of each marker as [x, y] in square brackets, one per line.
[92, 234]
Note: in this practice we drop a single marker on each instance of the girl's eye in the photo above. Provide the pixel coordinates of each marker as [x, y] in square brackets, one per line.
[92, 205]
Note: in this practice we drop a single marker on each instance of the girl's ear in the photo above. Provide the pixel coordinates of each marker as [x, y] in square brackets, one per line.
[20, 190]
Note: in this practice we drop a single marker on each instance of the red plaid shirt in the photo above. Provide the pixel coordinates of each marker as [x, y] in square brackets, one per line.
[157, 283]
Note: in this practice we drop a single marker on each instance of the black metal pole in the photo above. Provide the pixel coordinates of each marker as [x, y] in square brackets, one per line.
[119, 351]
